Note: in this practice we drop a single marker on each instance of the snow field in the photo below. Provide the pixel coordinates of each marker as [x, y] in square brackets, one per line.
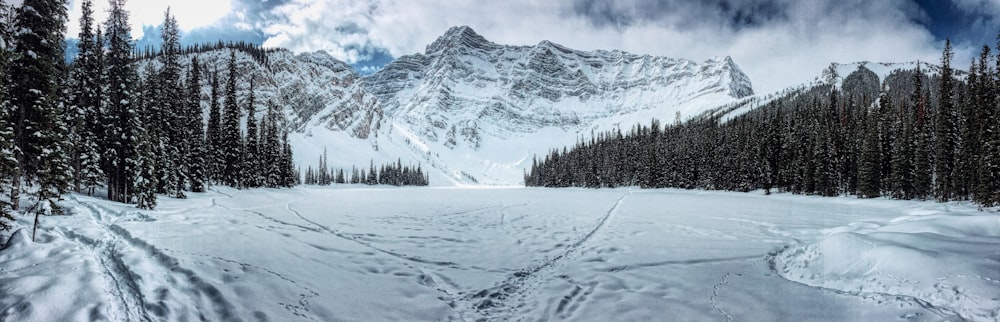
[353, 253]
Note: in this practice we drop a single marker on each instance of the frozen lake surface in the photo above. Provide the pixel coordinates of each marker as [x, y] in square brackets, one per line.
[433, 254]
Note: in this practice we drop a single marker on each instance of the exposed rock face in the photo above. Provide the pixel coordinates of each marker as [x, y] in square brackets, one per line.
[466, 85]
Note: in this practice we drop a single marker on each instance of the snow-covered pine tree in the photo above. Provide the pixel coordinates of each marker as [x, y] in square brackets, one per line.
[196, 159]
[372, 175]
[987, 192]
[271, 148]
[868, 167]
[984, 121]
[322, 170]
[7, 160]
[142, 164]
[252, 174]
[231, 140]
[85, 106]
[923, 145]
[213, 134]
[173, 124]
[149, 90]
[121, 78]
[902, 153]
[289, 175]
[946, 128]
[34, 101]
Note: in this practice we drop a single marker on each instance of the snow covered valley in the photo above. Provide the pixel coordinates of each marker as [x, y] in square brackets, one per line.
[432, 254]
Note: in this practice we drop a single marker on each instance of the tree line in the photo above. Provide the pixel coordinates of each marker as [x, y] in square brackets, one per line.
[257, 52]
[100, 122]
[395, 174]
[914, 135]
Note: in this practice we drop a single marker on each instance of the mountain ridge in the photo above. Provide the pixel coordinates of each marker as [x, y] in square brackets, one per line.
[501, 89]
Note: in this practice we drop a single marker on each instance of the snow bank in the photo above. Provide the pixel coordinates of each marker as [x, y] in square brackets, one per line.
[19, 239]
[945, 262]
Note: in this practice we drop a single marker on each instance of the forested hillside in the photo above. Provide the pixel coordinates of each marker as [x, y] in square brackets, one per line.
[911, 135]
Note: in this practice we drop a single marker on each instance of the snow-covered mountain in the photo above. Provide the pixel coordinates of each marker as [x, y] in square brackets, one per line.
[479, 110]
[470, 110]
[464, 87]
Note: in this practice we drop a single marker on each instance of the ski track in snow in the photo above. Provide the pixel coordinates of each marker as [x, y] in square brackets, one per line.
[133, 305]
[441, 284]
[497, 302]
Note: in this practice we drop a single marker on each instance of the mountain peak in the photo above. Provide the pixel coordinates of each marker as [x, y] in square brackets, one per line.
[458, 36]
[739, 84]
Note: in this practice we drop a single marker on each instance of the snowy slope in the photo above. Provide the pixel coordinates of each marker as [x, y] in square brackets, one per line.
[451, 254]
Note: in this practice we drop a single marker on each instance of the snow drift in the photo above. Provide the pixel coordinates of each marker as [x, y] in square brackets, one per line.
[944, 262]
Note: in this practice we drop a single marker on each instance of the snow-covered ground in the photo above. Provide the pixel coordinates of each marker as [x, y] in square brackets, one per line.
[431, 254]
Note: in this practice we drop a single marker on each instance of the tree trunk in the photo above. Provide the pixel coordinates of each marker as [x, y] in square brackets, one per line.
[35, 229]
[15, 190]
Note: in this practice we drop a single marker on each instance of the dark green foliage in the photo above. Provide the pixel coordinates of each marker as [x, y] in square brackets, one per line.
[121, 107]
[34, 108]
[395, 174]
[213, 134]
[817, 140]
[231, 142]
[83, 107]
[98, 120]
[947, 132]
[196, 159]
[252, 168]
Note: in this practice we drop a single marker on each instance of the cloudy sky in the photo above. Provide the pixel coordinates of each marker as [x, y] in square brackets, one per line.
[778, 43]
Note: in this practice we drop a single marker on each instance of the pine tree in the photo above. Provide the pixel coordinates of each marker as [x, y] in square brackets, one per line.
[251, 147]
[231, 140]
[271, 147]
[121, 80]
[173, 108]
[34, 97]
[372, 175]
[154, 131]
[289, 175]
[7, 160]
[196, 159]
[868, 169]
[143, 163]
[988, 190]
[322, 173]
[84, 106]
[902, 155]
[947, 134]
[921, 142]
[213, 134]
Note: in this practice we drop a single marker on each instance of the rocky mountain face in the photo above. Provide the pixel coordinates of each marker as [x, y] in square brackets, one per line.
[464, 87]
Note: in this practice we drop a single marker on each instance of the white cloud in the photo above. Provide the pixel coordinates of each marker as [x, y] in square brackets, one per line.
[190, 14]
[784, 49]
